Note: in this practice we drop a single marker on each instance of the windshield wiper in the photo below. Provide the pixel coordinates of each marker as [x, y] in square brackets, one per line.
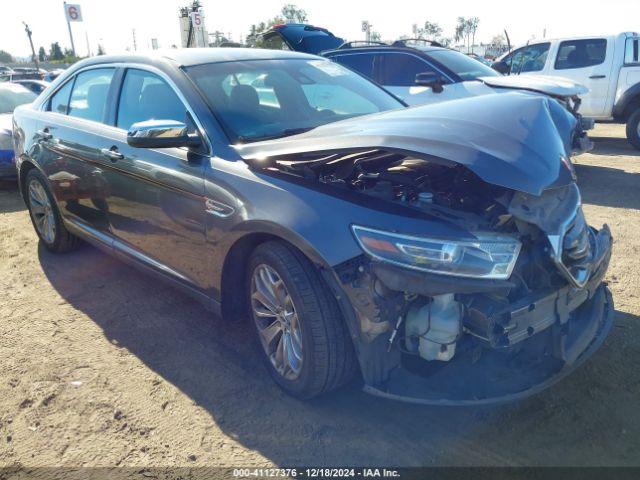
[284, 133]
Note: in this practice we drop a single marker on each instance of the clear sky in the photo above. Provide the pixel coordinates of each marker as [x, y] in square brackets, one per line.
[110, 22]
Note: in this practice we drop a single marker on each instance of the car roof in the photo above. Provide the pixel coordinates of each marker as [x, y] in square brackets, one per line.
[185, 57]
[377, 48]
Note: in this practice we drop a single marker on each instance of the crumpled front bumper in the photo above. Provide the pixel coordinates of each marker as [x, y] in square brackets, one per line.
[570, 324]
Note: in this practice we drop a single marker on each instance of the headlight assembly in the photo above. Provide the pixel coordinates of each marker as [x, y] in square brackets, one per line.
[489, 256]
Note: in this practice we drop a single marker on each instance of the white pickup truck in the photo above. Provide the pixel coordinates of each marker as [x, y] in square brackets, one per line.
[609, 66]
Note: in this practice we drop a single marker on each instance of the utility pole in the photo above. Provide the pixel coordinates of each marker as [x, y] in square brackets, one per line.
[86, 36]
[135, 45]
[33, 50]
[73, 47]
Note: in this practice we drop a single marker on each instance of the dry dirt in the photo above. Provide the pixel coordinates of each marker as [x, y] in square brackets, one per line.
[103, 366]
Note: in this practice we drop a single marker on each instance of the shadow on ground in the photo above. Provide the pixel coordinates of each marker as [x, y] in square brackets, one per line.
[10, 199]
[612, 146]
[214, 362]
[609, 187]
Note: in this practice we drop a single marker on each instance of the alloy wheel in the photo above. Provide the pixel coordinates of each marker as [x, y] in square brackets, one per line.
[277, 321]
[42, 211]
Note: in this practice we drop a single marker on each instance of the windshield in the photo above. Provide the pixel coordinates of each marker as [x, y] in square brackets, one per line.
[262, 99]
[12, 95]
[465, 67]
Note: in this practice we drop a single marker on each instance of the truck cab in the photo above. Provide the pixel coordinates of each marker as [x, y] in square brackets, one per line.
[608, 65]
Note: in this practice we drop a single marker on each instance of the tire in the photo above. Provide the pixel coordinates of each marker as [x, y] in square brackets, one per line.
[633, 124]
[327, 355]
[57, 239]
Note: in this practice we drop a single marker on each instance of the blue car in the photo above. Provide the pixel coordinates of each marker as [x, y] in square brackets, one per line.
[11, 95]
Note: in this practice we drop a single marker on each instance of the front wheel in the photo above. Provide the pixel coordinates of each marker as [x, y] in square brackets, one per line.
[300, 328]
[45, 216]
[633, 129]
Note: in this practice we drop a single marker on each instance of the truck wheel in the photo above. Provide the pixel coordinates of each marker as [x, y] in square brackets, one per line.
[633, 129]
[304, 339]
[45, 215]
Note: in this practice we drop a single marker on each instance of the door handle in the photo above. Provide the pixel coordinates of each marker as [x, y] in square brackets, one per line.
[112, 153]
[595, 77]
[44, 134]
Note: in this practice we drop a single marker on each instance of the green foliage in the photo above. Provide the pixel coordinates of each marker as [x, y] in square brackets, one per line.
[42, 54]
[5, 57]
[101, 50]
[55, 52]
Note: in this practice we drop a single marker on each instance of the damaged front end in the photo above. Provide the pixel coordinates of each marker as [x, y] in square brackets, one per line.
[504, 310]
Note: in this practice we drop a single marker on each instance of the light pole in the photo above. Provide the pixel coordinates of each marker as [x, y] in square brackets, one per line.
[33, 50]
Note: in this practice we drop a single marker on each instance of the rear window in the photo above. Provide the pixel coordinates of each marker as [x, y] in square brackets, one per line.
[581, 53]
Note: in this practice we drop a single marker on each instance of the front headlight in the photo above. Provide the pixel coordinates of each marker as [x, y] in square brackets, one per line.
[490, 256]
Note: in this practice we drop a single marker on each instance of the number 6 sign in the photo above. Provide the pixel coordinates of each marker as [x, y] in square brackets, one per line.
[73, 12]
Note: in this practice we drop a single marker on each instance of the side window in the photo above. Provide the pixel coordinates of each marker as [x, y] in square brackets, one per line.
[358, 62]
[400, 69]
[530, 59]
[89, 95]
[581, 53]
[145, 96]
[59, 102]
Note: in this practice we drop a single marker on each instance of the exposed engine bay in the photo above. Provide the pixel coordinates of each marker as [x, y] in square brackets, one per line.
[405, 315]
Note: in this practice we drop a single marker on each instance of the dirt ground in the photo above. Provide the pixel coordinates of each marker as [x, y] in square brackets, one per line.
[103, 366]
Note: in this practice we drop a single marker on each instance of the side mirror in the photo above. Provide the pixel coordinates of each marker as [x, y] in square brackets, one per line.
[430, 79]
[161, 134]
[501, 67]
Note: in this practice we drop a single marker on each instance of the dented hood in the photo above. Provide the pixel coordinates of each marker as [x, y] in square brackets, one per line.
[515, 140]
[554, 86]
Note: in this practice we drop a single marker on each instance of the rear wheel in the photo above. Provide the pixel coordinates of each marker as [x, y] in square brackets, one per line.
[633, 129]
[45, 215]
[304, 339]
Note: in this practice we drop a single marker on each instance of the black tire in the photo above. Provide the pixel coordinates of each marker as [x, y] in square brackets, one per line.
[633, 124]
[63, 241]
[328, 356]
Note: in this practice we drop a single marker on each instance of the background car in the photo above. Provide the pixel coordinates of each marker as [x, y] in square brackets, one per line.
[608, 65]
[299, 37]
[11, 96]
[27, 73]
[36, 86]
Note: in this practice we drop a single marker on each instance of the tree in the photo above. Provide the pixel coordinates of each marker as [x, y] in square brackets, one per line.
[101, 50]
[430, 30]
[375, 36]
[293, 14]
[498, 40]
[55, 52]
[5, 57]
[472, 25]
[42, 54]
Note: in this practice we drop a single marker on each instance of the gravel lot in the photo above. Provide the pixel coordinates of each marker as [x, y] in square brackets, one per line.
[103, 366]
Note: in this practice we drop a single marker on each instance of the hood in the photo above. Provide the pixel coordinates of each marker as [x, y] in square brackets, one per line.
[5, 121]
[555, 86]
[515, 140]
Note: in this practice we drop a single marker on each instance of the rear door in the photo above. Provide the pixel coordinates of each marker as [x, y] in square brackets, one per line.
[156, 207]
[590, 62]
[71, 134]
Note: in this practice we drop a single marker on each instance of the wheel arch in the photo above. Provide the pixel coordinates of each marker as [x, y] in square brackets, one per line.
[627, 104]
[232, 298]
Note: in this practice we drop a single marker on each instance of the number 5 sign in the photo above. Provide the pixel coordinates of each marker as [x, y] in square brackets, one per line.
[73, 12]
[196, 20]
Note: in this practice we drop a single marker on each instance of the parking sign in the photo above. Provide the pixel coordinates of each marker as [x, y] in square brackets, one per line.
[73, 12]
